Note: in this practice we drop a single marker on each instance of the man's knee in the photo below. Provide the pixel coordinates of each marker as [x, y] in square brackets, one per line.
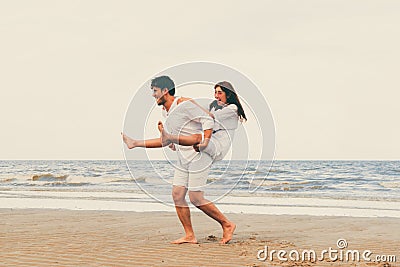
[178, 195]
[196, 198]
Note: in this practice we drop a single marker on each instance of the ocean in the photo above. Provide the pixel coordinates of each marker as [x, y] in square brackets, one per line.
[371, 188]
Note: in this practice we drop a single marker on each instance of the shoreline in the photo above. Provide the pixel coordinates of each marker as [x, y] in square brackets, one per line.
[105, 201]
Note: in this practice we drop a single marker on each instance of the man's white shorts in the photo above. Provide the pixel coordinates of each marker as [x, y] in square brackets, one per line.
[193, 174]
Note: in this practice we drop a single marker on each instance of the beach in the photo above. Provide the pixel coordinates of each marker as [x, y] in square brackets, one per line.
[96, 213]
[56, 237]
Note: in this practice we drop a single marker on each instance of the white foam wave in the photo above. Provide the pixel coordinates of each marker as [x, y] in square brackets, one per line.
[48, 177]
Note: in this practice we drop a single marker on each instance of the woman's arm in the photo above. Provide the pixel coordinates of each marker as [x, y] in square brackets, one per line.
[181, 99]
[203, 109]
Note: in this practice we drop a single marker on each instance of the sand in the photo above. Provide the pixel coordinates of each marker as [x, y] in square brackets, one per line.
[45, 237]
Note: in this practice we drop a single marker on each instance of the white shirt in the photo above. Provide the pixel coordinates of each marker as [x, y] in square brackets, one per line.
[186, 119]
[226, 122]
[226, 118]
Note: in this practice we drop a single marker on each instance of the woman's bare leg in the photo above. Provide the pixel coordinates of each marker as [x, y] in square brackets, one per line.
[184, 140]
[132, 143]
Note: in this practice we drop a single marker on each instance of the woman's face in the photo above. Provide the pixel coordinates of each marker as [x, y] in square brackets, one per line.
[220, 95]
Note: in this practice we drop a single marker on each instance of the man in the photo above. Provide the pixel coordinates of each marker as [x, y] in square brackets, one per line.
[191, 172]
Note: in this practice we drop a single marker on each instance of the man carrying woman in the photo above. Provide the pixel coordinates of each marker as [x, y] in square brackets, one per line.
[186, 123]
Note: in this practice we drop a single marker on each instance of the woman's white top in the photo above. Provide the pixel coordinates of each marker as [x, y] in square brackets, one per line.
[225, 123]
[225, 118]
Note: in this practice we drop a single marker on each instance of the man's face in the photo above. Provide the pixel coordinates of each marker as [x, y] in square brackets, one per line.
[159, 95]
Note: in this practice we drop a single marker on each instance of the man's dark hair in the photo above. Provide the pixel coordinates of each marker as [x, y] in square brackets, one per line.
[164, 82]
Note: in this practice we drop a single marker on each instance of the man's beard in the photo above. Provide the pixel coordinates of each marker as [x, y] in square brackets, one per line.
[160, 101]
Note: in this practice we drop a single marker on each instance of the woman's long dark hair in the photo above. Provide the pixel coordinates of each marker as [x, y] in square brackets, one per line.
[231, 98]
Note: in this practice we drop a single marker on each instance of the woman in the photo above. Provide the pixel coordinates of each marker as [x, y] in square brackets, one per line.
[226, 111]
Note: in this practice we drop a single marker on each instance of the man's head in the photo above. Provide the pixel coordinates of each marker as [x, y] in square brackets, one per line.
[162, 88]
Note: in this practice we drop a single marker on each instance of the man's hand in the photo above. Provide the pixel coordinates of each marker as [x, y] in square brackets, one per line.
[196, 148]
[202, 145]
[172, 147]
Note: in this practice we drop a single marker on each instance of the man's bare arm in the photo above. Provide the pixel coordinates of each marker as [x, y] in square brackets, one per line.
[206, 140]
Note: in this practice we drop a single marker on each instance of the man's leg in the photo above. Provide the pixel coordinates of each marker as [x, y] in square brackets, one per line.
[184, 140]
[183, 212]
[198, 174]
[228, 227]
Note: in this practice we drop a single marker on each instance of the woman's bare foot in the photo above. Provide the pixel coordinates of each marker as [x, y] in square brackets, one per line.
[165, 137]
[130, 143]
[228, 232]
[185, 239]
[160, 126]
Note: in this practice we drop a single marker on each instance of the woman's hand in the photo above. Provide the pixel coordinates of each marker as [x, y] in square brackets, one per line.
[220, 103]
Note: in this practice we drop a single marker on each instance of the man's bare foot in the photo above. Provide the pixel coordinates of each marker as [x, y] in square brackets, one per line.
[185, 239]
[227, 233]
[165, 137]
[130, 143]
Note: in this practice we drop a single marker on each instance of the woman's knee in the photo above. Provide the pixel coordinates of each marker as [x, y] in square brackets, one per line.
[198, 138]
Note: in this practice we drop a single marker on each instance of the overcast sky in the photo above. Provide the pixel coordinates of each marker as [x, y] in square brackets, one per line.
[328, 69]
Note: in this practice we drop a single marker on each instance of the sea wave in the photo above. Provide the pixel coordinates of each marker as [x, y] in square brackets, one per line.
[330, 179]
[49, 177]
[7, 180]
